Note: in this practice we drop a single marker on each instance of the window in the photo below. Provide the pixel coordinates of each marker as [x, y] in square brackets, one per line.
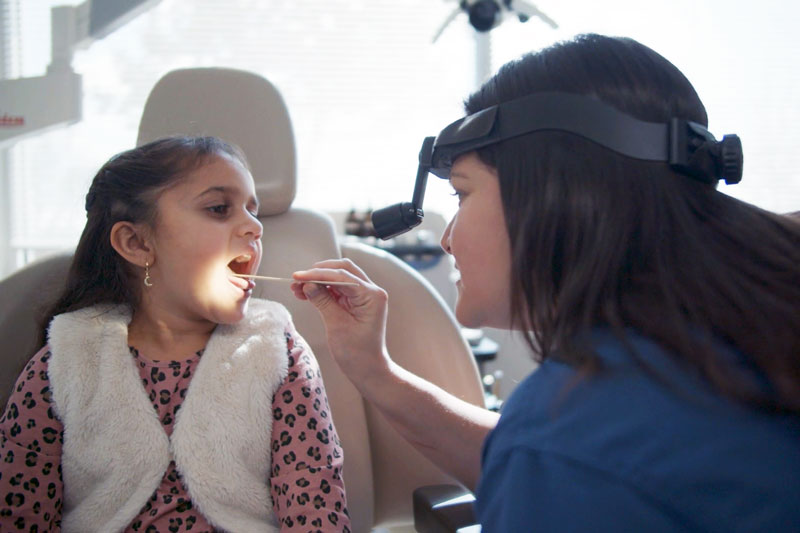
[364, 84]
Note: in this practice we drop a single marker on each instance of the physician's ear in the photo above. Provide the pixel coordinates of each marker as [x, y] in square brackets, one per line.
[131, 242]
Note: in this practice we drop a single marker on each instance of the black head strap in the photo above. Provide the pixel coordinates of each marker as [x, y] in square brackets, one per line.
[688, 147]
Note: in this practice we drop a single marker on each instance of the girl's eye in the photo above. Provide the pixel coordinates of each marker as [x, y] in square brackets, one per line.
[458, 194]
[221, 209]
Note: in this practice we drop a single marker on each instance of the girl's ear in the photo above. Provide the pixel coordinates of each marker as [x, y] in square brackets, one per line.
[131, 242]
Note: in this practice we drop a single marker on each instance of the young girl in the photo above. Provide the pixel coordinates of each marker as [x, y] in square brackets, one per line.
[664, 313]
[166, 398]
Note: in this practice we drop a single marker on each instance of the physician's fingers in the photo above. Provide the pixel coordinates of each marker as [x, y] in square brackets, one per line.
[317, 295]
[297, 289]
[325, 302]
[344, 264]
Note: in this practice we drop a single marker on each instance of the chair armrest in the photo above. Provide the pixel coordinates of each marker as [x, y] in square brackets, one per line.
[443, 509]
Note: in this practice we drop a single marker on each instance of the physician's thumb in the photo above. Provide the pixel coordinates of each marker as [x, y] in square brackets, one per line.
[320, 297]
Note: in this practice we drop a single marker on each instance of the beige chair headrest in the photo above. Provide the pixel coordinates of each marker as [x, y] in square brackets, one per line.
[240, 107]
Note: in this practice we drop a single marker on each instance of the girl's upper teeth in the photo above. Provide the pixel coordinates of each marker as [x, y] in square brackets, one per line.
[243, 258]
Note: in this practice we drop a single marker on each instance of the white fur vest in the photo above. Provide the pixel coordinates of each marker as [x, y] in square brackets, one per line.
[115, 449]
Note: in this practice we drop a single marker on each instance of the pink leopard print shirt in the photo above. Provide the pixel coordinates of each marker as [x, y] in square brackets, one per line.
[306, 482]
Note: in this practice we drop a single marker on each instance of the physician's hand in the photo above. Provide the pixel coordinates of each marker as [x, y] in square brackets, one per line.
[354, 316]
[446, 429]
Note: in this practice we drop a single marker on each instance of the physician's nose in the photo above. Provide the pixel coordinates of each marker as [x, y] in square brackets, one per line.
[445, 242]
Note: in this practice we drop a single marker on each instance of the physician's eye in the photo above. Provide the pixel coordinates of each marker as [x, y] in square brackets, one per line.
[221, 209]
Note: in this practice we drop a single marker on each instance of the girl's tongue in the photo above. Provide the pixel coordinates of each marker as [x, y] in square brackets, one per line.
[241, 265]
[243, 283]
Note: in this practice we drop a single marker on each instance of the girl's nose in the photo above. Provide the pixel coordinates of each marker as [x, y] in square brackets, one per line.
[252, 226]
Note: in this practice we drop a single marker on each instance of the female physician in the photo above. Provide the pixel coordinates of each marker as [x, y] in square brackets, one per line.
[665, 314]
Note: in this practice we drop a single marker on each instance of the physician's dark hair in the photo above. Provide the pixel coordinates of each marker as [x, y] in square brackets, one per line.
[598, 238]
[126, 188]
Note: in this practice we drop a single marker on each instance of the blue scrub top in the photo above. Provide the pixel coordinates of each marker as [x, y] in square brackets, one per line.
[624, 451]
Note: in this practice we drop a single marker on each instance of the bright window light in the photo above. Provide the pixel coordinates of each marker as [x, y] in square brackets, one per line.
[364, 84]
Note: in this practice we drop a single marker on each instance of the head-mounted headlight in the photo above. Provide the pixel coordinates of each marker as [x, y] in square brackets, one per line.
[674, 142]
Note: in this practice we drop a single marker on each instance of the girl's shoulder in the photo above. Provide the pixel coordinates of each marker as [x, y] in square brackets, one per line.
[95, 315]
[35, 372]
[39, 361]
[31, 402]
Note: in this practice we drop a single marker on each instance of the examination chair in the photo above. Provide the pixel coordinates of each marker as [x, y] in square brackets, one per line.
[381, 470]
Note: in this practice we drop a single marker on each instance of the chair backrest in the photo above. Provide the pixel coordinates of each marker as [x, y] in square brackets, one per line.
[381, 469]
[423, 337]
[238, 106]
[25, 296]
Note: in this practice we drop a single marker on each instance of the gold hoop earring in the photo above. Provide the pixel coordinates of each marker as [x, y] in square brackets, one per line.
[147, 282]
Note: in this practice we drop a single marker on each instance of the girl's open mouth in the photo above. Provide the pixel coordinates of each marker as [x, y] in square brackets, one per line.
[241, 265]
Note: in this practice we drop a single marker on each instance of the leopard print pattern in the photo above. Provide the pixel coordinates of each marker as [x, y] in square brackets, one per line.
[306, 482]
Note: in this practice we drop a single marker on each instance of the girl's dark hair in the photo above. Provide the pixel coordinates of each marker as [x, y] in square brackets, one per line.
[126, 188]
[601, 239]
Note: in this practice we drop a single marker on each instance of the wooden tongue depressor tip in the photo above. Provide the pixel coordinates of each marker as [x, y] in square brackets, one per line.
[272, 278]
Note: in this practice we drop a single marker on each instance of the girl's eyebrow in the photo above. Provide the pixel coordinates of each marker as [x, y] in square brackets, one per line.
[252, 200]
[217, 188]
[227, 190]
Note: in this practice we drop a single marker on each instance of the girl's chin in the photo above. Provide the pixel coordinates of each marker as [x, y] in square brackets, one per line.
[232, 314]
